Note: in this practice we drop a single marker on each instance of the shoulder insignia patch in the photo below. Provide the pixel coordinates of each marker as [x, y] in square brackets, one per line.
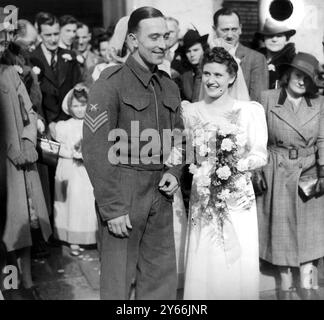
[97, 122]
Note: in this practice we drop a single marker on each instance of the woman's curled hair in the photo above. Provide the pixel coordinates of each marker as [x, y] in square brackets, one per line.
[221, 56]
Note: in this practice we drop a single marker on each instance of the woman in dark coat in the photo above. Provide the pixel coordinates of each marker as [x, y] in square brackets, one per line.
[291, 226]
[277, 50]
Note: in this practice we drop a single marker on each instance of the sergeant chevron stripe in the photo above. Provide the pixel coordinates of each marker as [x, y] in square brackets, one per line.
[95, 124]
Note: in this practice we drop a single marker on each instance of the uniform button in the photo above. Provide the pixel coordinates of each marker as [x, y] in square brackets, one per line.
[280, 164]
[300, 166]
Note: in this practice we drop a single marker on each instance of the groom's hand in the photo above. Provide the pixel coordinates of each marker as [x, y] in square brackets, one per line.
[168, 184]
[119, 226]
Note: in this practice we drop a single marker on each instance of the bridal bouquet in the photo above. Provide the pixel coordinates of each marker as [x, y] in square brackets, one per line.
[219, 171]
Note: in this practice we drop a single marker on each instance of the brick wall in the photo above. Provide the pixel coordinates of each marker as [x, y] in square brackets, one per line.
[249, 12]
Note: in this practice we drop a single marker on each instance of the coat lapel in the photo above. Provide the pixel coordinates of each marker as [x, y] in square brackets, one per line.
[240, 52]
[307, 111]
[48, 72]
[283, 110]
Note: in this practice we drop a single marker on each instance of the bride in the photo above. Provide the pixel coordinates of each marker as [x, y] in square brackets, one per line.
[222, 259]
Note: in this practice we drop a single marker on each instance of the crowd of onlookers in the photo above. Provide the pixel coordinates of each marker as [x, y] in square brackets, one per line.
[46, 69]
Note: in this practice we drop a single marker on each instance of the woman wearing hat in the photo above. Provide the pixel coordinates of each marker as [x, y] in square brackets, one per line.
[291, 224]
[75, 219]
[192, 52]
[277, 49]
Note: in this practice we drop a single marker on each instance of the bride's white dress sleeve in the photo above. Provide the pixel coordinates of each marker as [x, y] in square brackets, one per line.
[255, 124]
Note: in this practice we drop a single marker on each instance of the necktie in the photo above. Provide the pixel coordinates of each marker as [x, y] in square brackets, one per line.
[53, 62]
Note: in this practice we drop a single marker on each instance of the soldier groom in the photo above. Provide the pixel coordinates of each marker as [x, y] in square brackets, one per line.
[134, 197]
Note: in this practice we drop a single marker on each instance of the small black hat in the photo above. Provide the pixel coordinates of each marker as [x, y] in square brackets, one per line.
[192, 37]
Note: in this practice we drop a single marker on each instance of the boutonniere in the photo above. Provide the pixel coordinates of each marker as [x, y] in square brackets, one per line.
[80, 59]
[36, 70]
[67, 57]
[271, 67]
[18, 68]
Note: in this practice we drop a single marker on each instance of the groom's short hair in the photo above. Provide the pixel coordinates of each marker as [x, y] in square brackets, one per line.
[140, 14]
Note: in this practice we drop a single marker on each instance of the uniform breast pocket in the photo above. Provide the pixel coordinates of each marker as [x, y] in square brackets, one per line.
[137, 111]
[172, 103]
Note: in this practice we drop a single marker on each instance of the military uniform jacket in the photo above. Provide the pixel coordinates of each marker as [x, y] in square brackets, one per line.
[136, 102]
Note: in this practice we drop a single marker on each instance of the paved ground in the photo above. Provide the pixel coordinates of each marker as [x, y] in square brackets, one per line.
[63, 277]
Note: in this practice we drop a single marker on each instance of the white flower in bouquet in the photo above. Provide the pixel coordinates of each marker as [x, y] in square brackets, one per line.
[220, 205]
[227, 144]
[225, 194]
[223, 173]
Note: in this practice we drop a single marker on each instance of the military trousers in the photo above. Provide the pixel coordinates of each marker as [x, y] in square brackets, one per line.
[147, 256]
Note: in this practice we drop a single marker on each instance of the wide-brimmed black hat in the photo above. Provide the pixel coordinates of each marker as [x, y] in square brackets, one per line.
[192, 37]
[306, 63]
[271, 29]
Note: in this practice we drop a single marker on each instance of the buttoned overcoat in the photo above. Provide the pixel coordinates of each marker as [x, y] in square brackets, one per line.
[16, 105]
[291, 229]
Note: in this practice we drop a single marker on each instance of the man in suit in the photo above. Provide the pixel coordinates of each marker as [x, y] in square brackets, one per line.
[59, 68]
[86, 58]
[68, 28]
[227, 26]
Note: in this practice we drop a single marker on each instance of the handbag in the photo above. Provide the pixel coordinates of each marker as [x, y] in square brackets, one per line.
[307, 186]
[48, 151]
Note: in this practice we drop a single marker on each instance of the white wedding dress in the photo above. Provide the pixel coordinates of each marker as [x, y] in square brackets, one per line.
[209, 273]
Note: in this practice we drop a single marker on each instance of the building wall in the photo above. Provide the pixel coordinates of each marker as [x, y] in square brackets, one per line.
[190, 13]
[249, 13]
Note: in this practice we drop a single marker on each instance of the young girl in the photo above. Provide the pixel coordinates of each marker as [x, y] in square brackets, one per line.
[75, 219]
